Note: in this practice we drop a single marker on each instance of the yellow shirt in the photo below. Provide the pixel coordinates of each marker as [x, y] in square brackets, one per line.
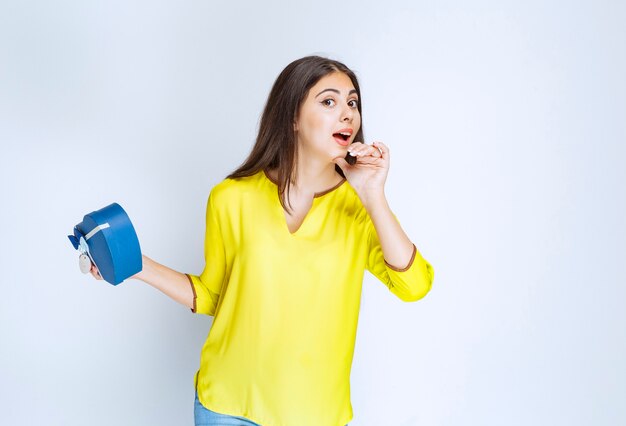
[286, 305]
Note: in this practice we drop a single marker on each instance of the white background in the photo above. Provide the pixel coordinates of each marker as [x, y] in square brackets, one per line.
[506, 126]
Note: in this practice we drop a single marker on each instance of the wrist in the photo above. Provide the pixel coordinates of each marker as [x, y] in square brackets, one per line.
[373, 200]
[146, 264]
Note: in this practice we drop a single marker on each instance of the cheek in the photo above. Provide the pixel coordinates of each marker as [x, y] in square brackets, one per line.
[356, 122]
[317, 125]
[307, 120]
[318, 120]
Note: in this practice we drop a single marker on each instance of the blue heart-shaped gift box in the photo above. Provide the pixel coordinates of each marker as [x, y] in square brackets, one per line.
[108, 237]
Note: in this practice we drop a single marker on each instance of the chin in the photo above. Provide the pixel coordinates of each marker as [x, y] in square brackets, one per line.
[337, 153]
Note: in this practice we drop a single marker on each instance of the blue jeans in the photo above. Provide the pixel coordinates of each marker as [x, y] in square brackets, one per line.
[205, 417]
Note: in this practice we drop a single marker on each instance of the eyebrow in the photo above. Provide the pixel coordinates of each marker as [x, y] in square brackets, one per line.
[336, 91]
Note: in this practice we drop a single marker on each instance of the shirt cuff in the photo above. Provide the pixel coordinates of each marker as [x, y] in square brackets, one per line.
[407, 266]
[195, 296]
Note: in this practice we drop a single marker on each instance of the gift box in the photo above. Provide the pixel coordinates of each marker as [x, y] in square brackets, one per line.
[108, 238]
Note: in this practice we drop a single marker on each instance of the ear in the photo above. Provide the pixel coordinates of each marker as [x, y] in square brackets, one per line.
[296, 119]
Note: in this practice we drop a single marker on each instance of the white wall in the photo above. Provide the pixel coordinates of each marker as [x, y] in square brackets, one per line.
[506, 125]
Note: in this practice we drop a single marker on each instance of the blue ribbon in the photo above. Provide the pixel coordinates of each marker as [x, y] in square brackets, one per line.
[75, 239]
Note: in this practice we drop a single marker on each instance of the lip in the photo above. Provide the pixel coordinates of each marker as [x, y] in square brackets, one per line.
[341, 141]
[346, 130]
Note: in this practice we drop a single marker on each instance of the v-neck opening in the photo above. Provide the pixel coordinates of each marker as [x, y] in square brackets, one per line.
[301, 223]
[305, 218]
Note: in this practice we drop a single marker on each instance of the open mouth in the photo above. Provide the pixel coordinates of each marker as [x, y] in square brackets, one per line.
[341, 135]
[342, 138]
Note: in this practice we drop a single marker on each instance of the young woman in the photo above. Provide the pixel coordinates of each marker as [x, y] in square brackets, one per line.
[289, 235]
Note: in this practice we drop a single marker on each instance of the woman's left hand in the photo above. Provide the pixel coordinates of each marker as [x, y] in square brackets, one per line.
[368, 175]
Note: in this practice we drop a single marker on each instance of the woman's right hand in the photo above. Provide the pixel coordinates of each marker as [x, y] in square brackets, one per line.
[95, 272]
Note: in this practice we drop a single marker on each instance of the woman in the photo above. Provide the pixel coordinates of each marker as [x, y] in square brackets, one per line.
[289, 235]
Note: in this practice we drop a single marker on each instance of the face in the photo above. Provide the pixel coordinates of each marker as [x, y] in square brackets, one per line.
[329, 118]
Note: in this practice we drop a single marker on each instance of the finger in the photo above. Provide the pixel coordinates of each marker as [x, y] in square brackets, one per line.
[354, 147]
[365, 150]
[368, 159]
[376, 152]
[95, 272]
[384, 150]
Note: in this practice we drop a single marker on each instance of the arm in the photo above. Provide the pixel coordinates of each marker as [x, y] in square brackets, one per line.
[368, 177]
[170, 282]
[200, 293]
[405, 272]
[392, 257]
[396, 245]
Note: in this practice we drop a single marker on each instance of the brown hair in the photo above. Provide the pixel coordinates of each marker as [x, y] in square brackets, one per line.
[276, 143]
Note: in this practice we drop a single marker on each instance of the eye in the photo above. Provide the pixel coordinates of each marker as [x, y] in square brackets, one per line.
[353, 103]
[328, 102]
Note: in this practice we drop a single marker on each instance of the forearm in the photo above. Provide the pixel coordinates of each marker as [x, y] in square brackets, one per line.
[172, 283]
[396, 246]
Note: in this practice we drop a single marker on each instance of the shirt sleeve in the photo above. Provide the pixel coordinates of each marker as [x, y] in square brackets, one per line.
[207, 286]
[410, 283]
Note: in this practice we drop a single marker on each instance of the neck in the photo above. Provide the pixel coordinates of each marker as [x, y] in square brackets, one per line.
[314, 175]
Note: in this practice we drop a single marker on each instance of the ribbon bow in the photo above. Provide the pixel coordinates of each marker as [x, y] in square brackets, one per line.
[75, 239]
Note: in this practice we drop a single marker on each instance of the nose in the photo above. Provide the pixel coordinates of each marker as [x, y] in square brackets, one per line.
[347, 114]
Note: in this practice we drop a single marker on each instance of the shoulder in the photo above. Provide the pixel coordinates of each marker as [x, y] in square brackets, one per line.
[230, 190]
[351, 196]
[350, 204]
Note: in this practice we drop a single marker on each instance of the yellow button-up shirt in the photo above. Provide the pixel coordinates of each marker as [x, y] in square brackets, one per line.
[285, 304]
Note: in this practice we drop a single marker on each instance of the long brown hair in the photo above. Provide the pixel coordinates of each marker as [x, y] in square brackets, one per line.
[276, 143]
